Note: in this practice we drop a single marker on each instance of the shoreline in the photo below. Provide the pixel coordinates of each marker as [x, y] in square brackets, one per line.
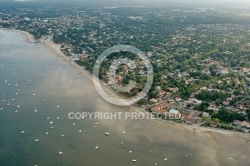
[199, 129]
[28, 36]
[56, 48]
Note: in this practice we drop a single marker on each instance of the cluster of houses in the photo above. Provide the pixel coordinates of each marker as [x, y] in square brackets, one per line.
[242, 124]
[167, 111]
[185, 115]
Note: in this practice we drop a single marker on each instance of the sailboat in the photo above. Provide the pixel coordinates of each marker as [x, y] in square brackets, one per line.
[60, 152]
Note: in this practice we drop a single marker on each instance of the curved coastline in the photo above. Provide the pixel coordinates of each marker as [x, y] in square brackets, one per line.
[56, 48]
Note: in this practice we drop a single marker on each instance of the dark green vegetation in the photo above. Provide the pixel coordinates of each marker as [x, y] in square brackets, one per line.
[228, 117]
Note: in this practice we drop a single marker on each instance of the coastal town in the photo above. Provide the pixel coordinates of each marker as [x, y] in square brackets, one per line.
[201, 67]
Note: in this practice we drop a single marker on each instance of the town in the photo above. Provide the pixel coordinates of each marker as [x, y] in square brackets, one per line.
[201, 60]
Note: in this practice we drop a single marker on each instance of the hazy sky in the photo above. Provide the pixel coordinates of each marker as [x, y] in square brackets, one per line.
[187, 3]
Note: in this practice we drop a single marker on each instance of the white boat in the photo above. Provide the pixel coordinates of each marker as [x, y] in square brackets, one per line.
[130, 151]
[47, 133]
[60, 152]
[36, 140]
[35, 109]
[8, 104]
[97, 147]
[62, 135]
[106, 133]
[134, 160]
[21, 132]
[166, 159]
[80, 131]
[123, 132]
[18, 105]
[51, 122]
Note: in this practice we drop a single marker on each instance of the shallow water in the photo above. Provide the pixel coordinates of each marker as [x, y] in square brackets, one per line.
[44, 78]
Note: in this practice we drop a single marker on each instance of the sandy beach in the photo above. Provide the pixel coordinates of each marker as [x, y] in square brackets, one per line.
[57, 49]
[84, 73]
